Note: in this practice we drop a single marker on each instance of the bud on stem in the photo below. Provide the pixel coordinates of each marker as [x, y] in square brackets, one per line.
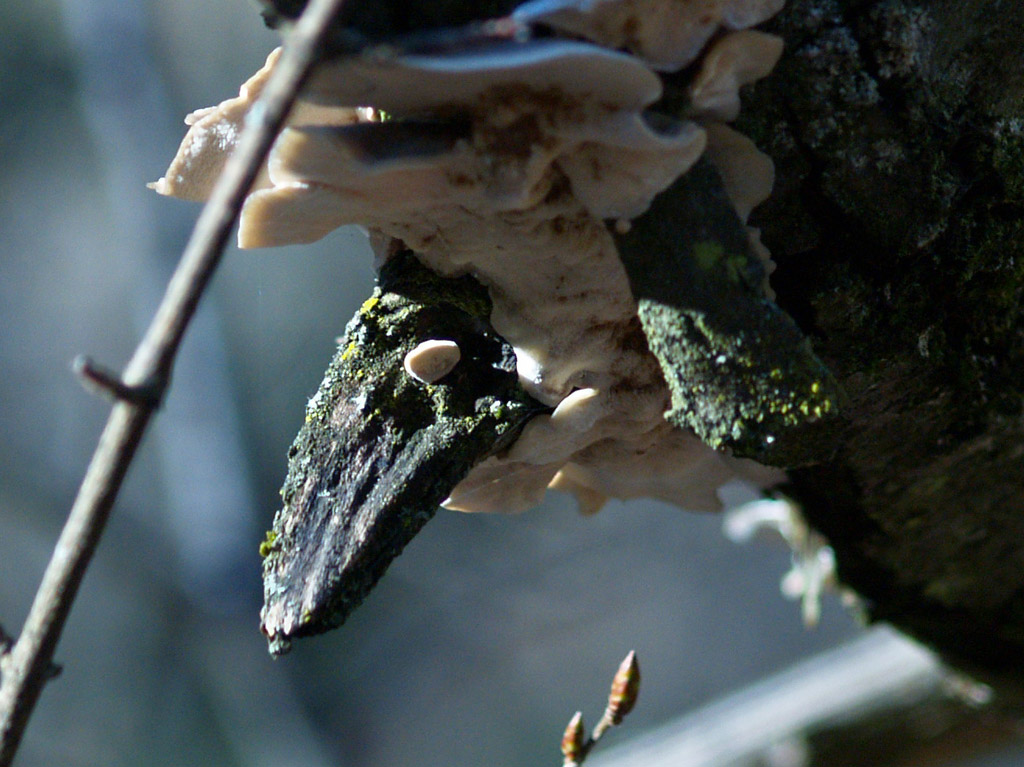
[572, 741]
[623, 695]
[621, 699]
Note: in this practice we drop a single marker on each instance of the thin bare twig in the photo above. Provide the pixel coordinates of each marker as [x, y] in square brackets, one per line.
[28, 664]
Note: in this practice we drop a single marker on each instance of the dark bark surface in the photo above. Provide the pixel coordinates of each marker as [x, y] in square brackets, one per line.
[380, 450]
[897, 222]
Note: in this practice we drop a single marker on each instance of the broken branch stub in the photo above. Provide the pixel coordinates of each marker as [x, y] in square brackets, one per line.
[740, 372]
[381, 449]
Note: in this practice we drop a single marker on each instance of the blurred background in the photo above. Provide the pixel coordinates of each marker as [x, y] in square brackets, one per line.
[483, 638]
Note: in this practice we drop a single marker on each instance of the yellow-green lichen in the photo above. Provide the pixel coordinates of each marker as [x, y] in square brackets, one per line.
[707, 255]
[711, 255]
[267, 545]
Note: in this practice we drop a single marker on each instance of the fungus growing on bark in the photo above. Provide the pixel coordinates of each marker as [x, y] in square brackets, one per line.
[667, 34]
[736, 60]
[523, 162]
[213, 132]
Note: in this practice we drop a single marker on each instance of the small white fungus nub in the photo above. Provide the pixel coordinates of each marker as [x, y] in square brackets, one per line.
[432, 360]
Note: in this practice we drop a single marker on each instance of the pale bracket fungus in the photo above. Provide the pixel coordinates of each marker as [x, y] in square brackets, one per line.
[573, 158]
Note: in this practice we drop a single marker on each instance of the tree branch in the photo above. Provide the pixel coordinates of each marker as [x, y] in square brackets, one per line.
[27, 665]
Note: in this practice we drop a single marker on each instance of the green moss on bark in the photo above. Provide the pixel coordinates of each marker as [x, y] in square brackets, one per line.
[741, 374]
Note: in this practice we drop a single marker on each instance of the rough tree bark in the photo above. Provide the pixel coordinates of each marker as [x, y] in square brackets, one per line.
[897, 222]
